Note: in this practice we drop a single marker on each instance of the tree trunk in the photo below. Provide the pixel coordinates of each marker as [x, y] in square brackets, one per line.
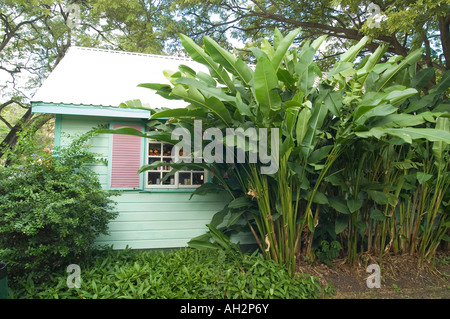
[444, 24]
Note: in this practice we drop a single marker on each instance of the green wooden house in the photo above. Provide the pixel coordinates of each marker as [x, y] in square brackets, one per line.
[84, 91]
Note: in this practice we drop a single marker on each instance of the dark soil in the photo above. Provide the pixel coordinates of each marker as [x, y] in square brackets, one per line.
[401, 278]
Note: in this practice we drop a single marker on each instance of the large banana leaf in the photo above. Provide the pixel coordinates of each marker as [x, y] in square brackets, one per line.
[234, 65]
[265, 81]
[184, 112]
[408, 134]
[157, 135]
[411, 59]
[318, 115]
[302, 125]
[283, 47]
[199, 55]
[213, 104]
[441, 147]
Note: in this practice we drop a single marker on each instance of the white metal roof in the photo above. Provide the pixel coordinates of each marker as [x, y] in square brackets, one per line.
[87, 76]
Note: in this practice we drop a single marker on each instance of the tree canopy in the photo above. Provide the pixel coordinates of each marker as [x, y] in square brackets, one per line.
[405, 25]
[35, 34]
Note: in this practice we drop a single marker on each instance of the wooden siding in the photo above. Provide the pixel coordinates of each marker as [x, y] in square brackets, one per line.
[147, 219]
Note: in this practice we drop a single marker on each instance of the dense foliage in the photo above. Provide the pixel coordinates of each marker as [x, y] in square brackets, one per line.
[175, 274]
[51, 208]
[363, 148]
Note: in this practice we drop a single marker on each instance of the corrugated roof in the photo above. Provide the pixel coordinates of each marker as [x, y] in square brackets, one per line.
[100, 77]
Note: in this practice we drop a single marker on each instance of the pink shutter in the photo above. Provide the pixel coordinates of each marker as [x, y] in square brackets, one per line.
[126, 158]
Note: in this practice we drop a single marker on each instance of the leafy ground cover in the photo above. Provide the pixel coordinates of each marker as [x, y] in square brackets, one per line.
[214, 274]
[174, 274]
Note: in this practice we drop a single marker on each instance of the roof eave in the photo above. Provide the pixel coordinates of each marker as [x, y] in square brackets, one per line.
[90, 110]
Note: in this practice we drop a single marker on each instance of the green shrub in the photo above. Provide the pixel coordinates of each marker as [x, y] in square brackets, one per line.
[328, 251]
[175, 274]
[51, 208]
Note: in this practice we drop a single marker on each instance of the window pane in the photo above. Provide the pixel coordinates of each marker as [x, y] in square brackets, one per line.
[184, 179]
[166, 167]
[154, 149]
[167, 148]
[169, 181]
[198, 178]
[154, 178]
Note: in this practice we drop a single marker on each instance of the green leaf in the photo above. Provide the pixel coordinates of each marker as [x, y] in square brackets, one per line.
[375, 58]
[202, 243]
[213, 104]
[123, 131]
[302, 125]
[354, 205]
[234, 65]
[187, 70]
[365, 112]
[422, 78]
[353, 51]
[318, 42]
[433, 135]
[183, 112]
[156, 86]
[175, 166]
[157, 135]
[219, 237]
[218, 217]
[267, 48]
[243, 108]
[282, 48]
[340, 224]
[277, 37]
[423, 177]
[339, 204]
[399, 120]
[286, 77]
[207, 79]
[377, 215]
[311, 225]
[439, 148]
[443, 85]
[265, 82]
[319, 154]
[135, 104]
[334, 102]
[420, 104]
[199, 55]
[240, 202]
[305, 59]
[206, 90]
[320, 111]
[412, 58]
[216, 106]
[234, 217]
[208, 188]
[399, 96]
[379, 197]
[320, 198]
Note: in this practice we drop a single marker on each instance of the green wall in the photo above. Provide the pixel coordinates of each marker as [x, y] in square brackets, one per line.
[146, 219]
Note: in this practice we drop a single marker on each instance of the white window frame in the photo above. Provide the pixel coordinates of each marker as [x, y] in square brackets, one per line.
[150, 148]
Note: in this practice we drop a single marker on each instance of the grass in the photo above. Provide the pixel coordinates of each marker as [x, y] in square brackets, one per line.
[174, 274]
